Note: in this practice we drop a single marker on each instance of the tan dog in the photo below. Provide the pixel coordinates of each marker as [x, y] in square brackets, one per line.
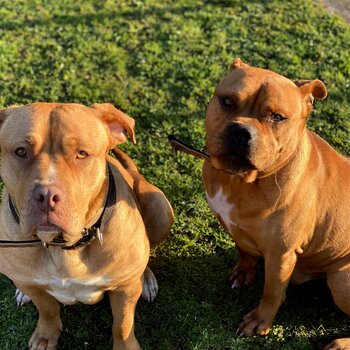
[279, 189]
[60, 184]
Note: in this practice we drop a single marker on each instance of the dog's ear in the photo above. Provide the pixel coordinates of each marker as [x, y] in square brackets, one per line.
[119, 124]
[313, 88]
[4, 113]
[238, 63]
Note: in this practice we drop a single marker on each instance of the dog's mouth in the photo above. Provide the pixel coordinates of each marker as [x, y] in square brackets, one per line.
[234, 163]
[60, 240]
[51, 234]
[231, 163]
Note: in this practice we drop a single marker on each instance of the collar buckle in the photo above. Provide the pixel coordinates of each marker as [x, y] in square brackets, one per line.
[89, 235]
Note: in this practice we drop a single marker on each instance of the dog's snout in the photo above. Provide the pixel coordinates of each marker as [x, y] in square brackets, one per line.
[237, 137]
[46, 197]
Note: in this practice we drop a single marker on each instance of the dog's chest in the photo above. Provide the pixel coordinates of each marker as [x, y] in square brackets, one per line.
[87, 290]
[222, 208]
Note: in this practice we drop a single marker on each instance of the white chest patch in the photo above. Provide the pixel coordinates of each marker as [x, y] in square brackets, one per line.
[221, 206]
[73, 290]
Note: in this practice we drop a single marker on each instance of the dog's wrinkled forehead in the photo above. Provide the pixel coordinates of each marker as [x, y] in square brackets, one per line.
[259, 90]
[245, 82]
[45, 123]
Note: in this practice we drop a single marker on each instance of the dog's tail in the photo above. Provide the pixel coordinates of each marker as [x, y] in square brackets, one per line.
[124, 160]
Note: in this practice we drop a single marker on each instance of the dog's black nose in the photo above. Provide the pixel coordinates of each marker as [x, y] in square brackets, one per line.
[237, 138]
[46, 197]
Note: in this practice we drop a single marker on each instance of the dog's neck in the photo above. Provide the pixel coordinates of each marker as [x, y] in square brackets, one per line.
[99, 203]
[99, 220]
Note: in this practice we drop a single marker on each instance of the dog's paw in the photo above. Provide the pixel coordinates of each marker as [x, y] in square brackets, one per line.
[150, 285]
[254, 324]
[21, 298]
[38, 343]
[338, 344]
[241, 277]
[45, 336]
[44, 339]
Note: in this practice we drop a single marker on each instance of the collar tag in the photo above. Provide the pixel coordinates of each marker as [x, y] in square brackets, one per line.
[99, 235]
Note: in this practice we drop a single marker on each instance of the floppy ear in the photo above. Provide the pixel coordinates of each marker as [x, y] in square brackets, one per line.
[237, 63]
[312, 88]
[119, 124]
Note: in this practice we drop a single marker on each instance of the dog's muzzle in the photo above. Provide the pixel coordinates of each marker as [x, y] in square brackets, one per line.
[233, 151]
[236, 140]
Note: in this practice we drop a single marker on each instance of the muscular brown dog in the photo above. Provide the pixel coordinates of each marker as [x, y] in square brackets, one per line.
[63, 188]
[279, 189]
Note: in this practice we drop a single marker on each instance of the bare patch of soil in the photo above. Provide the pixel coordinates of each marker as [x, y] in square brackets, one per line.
[338, 7]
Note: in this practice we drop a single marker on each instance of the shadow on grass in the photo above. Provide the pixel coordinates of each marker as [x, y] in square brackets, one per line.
[195, 309]
[136, 14]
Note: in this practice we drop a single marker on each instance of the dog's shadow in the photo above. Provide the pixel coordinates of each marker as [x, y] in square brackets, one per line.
[195, 309]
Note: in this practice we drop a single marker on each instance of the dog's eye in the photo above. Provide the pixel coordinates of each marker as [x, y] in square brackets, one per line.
[82, 155]
[227, 102]
[276, 118]
[21, 152]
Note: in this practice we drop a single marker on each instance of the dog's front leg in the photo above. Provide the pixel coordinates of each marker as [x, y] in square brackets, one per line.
[123, 303]
[49, 325]
[244, 272]
[278, 270]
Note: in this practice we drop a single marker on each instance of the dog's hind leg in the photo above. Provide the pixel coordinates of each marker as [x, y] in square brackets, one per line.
[150, 285]
[156, 211]
[21, 298]
[158, 218]
[339, 284]
[244, 272]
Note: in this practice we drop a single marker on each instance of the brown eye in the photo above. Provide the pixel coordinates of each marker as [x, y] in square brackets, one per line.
[82, 155]
[276, 118]
[227, 102]
[21, 152]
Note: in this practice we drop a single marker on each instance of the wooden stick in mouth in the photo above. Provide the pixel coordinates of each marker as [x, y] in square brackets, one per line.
[178, 145]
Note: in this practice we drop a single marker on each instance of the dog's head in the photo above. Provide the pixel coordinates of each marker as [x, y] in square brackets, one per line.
[53, 164]
[255, 119]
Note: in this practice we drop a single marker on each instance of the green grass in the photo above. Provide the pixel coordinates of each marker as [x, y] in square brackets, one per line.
[160, 60]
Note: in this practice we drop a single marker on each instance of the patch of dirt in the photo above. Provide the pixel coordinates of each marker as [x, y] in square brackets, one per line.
[338, 7]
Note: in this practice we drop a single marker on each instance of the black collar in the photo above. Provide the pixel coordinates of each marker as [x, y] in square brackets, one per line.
[89, 234]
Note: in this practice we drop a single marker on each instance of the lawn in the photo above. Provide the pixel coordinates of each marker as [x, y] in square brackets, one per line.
[159, 61]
